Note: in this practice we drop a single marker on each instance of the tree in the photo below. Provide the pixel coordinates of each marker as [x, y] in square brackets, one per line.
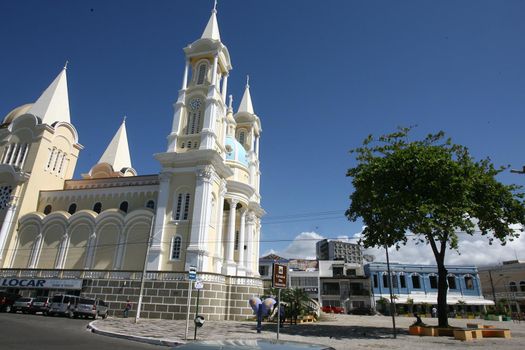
[430, 190]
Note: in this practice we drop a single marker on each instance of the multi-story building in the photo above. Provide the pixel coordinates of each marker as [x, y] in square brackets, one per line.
[343, 285]
[418, 285]
[505, 283]
[91, 235]
[328, 249]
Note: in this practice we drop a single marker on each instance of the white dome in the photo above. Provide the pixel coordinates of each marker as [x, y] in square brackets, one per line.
[17, 112]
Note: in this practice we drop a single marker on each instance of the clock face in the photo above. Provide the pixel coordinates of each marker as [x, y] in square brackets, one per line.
[195, 103]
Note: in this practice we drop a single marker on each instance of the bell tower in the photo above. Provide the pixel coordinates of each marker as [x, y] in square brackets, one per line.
[201, 105]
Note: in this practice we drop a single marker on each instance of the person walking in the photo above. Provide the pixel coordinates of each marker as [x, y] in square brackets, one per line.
[434, 312]
[127, 308]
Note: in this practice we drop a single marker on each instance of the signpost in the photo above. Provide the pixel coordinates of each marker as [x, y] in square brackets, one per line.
[192, 276]
[198, 285]
[279, 280]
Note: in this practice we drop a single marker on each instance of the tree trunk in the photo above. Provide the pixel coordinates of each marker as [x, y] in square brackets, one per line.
[442, 294]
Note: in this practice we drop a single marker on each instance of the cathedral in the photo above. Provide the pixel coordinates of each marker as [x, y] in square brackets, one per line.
[94, 236]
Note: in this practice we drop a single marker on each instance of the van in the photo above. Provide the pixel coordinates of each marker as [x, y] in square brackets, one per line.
[89, 307]
[61, 304]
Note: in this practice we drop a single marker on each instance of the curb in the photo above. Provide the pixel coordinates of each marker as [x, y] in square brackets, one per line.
[147, 340]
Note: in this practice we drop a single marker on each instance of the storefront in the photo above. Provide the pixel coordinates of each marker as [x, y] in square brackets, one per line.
[33, 287]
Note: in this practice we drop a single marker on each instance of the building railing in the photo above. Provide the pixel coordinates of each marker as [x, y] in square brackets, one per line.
[128, 275]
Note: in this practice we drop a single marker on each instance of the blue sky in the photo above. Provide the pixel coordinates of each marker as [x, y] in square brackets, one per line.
[323, 75]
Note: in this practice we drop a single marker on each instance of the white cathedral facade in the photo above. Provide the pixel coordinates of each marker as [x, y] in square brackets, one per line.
[202, 210]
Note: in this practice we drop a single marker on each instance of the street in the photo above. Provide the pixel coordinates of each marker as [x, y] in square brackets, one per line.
[29, 332]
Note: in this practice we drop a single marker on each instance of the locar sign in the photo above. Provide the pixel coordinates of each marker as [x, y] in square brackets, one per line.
[41, 283]
[280, 273]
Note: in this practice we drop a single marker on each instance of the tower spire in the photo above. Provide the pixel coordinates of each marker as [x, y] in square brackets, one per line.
[246, 102]
[117, 152]
[212, 28]
[53, 105]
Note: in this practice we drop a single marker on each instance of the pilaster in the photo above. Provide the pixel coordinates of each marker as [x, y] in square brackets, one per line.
[154, 256]
[197, 253]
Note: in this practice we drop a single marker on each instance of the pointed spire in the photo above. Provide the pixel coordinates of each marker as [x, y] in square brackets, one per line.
[53, 105]
[212, 28]
[117, 152]
[246, 102]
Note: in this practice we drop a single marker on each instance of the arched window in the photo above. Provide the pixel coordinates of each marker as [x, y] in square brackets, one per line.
[451, 281]
[186, 207]
[416, 281]
[175, 248]
[201, 73]
[72, 208]
[150, 204]
[469, 282]
[183, 206]
[97, 208]
[189, 144]
[124, 206]
[241, 137]
[48, 209]
[522, 286]
[182, 146]
[513, 286]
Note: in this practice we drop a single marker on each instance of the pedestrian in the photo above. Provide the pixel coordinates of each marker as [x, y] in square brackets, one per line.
[127, 308]
[259, 317]
[282, 314]
[434, 312]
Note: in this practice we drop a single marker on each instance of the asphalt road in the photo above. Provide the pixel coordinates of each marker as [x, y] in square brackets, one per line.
[30, 332]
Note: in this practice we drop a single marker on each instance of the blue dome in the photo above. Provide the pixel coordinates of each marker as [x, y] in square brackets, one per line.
[235, 151]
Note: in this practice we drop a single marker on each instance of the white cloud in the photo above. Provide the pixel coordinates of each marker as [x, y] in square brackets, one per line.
[473, 250]
[302, 247]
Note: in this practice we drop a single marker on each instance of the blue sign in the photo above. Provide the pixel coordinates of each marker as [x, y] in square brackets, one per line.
[192, 274]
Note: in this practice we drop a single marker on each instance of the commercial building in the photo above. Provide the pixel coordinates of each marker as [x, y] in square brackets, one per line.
[505, 283]
[91, 235]
[328, 249]
[417, 286]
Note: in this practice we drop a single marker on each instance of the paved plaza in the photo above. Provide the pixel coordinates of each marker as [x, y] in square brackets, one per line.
[338, 331]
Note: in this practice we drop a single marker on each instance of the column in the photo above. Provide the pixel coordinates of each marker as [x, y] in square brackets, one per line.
[7, 223]
[249, 259]
[90, 254]
[214, 76]
[25, 155]
[198, 250]
[121, 248]
[256, 244]
[185, 77]
[35, 251]
[224, 87]
[21, 151]
[59, 263]
[219, 240]
[229, 269]
[160, 218]
[241, 267]
[257, 146]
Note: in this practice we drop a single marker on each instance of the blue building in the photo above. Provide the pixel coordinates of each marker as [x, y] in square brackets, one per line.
[418, 285]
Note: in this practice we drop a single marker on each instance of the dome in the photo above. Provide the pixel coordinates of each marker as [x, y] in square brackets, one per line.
[17, 112]
[235, 151]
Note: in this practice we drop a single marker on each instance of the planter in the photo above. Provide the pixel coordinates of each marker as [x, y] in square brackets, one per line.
[415, 330]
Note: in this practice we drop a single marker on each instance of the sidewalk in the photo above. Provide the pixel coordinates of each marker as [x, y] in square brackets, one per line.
[341, 332]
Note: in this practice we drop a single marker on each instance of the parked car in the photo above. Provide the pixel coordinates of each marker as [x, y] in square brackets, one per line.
[88, 307]
[362, 310]
[22, 304]
[61, 304]
[40, 304]
[333, 309]
[7, 300]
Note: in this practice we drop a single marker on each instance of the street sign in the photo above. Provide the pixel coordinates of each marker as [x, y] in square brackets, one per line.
[199, 285]
[280, 274]
[192, 274]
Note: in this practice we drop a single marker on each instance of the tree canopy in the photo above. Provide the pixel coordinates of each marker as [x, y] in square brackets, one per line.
[429, 190]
